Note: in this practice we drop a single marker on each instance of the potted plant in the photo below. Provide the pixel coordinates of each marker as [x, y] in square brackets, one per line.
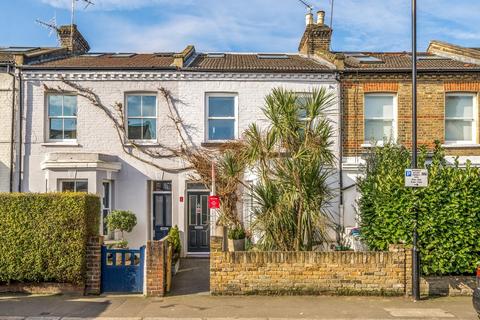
[174, 239]
[122, 221]
[236, 239]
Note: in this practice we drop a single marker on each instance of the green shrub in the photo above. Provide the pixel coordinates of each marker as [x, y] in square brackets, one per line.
[174, 239]
[121, 220]
[43, 236]
[236, 233]
[449, 209]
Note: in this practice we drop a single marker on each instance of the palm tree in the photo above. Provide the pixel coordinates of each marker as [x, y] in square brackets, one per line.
[294, 160]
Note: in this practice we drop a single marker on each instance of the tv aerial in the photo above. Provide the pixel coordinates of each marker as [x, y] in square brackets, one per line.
[308, 6]
[50, 25]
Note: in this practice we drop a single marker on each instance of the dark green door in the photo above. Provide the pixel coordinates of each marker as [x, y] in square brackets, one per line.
[198, 222]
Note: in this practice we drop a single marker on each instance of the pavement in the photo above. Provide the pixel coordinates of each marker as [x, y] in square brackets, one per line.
[206, 307]
[189, 299]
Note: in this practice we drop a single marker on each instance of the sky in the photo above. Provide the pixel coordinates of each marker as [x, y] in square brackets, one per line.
[240, 25]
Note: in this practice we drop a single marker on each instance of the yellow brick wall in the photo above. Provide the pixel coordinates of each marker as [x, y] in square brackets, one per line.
[243, 273]
[430, 112]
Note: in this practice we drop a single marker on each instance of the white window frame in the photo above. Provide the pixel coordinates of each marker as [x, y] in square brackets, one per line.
[394, 119]
[207, 118]
[109, 208]
[61, 181]
[48, 117]
[150, 94]
[308, 95]
[474, 119]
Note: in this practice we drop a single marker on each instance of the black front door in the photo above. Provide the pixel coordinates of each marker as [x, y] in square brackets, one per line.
[162, 215]
[198, 222]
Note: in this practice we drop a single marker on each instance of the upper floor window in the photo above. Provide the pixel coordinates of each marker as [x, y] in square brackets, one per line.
[62, 117]
[460, 118]
[221, 117]
[142, 117]
[302, 100]
[380, 117]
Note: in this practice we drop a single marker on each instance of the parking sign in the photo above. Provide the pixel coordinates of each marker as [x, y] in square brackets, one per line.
[416, 178]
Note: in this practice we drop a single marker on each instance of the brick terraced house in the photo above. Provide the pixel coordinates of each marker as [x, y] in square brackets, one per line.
[376, 106]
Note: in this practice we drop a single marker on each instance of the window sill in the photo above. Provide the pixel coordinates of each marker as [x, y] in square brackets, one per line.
[60, 144]
[142, 143]
[460, 145]
[369, 145]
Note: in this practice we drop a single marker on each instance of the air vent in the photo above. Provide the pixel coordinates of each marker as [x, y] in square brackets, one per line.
[123, 55]
[216, 55]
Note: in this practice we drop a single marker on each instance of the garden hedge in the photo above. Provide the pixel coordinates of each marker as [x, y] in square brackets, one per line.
[43, 237]
[449, 209]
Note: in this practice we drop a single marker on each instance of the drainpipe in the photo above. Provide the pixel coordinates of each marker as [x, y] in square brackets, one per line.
[12, 133]
[20, 140]
[340, 151]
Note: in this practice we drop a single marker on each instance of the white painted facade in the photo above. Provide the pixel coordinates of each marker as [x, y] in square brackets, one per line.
[97, 156]
[8, 131]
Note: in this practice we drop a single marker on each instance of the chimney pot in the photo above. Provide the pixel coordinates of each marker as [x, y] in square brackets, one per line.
[309, 19]
[321, 17]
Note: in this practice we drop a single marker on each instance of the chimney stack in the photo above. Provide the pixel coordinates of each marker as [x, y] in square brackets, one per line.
[321, 17]
[76, 44]
[309, 18]
[317, 36]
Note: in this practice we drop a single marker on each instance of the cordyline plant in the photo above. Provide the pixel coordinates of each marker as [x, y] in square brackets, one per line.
[293, 158]
[226, 159]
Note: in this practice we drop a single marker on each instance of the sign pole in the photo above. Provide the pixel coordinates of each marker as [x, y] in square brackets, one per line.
[415, 253]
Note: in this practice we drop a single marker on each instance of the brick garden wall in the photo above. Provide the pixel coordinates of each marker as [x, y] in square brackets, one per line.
[155, 264]
[243, 273]
[94, 265]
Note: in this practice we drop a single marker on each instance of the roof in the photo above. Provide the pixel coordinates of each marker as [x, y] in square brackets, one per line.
[256, 62]
[228, 62]
[112, 61]
[30, 54]
[398, 61]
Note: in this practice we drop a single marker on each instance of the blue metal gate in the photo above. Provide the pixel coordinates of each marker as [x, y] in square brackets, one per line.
[122, 270]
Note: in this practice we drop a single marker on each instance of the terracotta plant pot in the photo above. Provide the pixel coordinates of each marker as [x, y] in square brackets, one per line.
[236, 245]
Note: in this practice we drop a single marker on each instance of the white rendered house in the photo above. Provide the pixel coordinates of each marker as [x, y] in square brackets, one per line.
[70, 144]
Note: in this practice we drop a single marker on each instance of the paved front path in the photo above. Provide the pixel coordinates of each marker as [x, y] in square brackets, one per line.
[214, 308]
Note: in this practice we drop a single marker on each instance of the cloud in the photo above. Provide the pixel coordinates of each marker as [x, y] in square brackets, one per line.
[270, 25]
[110, 5]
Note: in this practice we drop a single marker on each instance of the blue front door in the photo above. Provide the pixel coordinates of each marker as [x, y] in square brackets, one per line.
[122, 270]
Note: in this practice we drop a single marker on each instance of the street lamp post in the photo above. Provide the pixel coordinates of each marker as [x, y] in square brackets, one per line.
[415, 253]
